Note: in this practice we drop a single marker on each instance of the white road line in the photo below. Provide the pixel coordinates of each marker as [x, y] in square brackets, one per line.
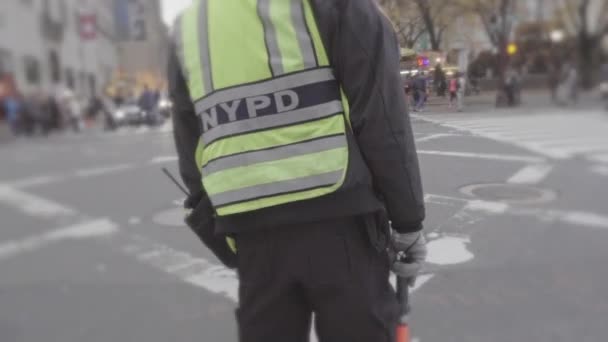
[581, 218]
[531, 174]
[99, 171]
[487, 206]
[600, 170]
[190, 269]
[485, 156]
[87, 230]
[163, 160]
[436, 136]
[554, 135]
[578, 218]
[444, 200]
[35, 181]
[600, 158]
[31, 204]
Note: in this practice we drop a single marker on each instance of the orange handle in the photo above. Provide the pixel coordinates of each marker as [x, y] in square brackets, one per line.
[403, 333]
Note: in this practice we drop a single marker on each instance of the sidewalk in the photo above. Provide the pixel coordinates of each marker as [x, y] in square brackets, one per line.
[532, 101]
[92, 128]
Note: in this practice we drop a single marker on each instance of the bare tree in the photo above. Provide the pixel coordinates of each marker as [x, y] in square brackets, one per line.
[436, 18]
[588, 21]
[408, 25]
[497, 18]
[410, 31]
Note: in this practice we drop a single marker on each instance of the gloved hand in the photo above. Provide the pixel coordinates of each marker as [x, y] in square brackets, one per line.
[408, 254]
[201, 221]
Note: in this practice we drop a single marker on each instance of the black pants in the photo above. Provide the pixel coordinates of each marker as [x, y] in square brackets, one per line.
[330, 269]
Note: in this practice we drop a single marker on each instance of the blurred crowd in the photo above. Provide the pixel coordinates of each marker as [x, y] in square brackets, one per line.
[564, 84]
[453, 85]
[41, 113]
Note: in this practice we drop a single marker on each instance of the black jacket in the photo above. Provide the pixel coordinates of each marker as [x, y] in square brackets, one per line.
[383, 168]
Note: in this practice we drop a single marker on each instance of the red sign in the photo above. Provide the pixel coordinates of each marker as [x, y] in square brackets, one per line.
[423, 61]
[88, 26]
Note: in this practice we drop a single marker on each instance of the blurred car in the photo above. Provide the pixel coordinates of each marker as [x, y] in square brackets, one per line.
[129, 113]
[165, 107]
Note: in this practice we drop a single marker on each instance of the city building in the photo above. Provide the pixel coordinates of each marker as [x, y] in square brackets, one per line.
[142, 46]
[47, 45]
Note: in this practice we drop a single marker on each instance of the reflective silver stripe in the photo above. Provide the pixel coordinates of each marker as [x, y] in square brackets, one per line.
[304, 39]
[203, 36]
[179, 45]
[278, 153]
[263, 88]
[265, 122]
[270, 35]
[276, 188]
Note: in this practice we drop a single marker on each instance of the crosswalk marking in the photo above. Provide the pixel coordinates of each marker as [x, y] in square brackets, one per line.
[87, 230]
[600, 170]
[32, 205]
[555, 135]
[531, 174]
[487, 156]
[600, 158]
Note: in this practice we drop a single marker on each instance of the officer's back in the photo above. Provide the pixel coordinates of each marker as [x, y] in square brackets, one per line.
[292, 134]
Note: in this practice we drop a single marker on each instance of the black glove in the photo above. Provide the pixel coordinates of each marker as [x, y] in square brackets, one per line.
[201, 221]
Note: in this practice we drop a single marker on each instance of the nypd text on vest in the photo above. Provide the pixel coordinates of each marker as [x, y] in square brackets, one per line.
[249, 108]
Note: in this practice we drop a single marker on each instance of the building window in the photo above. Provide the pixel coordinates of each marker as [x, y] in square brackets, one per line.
[32, 69]
[55, 67]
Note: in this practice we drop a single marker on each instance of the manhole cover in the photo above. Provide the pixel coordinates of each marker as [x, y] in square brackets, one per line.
[509, 193]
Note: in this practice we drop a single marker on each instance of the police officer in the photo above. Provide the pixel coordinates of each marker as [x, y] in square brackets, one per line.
[293, 138]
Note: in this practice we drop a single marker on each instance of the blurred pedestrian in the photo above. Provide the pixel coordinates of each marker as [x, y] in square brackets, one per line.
[53, 115]
[407, 88]
[474, 84]
[33, 115]
[12, 108]
[414, 93]
[462, 85]
[572, 81]
[567, 92]
[109, 107]
[46, 114]
[553, 79]
[73, 109]
[439, 81]
[148, 101]
[511, 86]
[421, 91]
[453, 87]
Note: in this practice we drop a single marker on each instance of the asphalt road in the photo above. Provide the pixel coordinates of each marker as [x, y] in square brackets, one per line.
[92, 247]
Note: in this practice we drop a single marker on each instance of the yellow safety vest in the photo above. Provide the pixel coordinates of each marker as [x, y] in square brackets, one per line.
[273, 116]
